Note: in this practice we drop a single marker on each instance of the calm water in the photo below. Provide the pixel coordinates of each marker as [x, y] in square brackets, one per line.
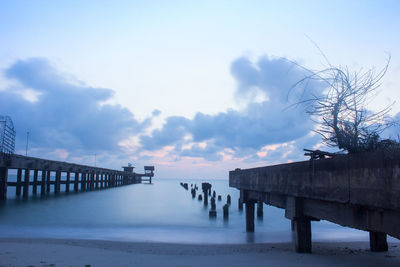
[163, 211]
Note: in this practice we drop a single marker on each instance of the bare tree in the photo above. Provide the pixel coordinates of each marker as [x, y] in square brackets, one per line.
[341, 111]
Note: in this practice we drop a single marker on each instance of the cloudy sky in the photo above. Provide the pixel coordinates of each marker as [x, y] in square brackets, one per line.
[196, 88]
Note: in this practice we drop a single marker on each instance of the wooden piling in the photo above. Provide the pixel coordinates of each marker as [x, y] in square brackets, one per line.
[97, 181]
[35, 182]
[3, 183]
[83, 185]
[19, 179]
[57, 183]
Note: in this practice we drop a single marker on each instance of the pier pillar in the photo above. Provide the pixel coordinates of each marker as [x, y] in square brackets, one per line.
[240, 204]
[260, 211]
[48, 181]
[83, 187]
[57, 184]
[76, 182]
[249, 216]
[97, 181]
[35, 182]
[102, 181]
[19, 179]
[26, 184]
[301, 234]
[68, 182]
[378, 241]
[3, 183]
[43, 184]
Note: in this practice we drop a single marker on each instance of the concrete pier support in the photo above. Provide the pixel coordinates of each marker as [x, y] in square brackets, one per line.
[57, 183]
[76, 182]
[260, 210]
[301, 234]
[43, 184]
[35, 182]
[3, 183]
[249, 216]
[19, 179]
[378, 241]
[48, 180]
[26, 183]
[83, 187]
[68, 182]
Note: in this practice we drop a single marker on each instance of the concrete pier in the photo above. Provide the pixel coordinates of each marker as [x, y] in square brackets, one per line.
[361, 191]
[44, 173]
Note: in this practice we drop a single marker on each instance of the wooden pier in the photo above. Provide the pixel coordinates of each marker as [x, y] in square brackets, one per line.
[361, 191]
[46, 174]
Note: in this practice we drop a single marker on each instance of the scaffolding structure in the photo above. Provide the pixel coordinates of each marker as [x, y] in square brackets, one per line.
[7, 135]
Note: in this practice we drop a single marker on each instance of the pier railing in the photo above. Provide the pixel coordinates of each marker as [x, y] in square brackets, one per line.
[46, 175]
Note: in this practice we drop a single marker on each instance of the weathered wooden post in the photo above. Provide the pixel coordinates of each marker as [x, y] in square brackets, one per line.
[214, 194]
[57, 184]
[19, 179]
[228, 199]
[76, 182]
[3, 182]
[200, 198]
[378, 241]
[43, 183]
[26, 183]
[68, 182]
[48, 181]
[219, 198]
[35, 182]
[249, 205]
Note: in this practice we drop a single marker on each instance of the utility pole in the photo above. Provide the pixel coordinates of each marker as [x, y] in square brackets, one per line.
[27, 142]
[95, 155]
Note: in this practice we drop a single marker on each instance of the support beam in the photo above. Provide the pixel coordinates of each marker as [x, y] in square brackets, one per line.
[249, 215]
[43, 183]
[76, 182]
[48, 182]
[378, 241]
[83, 182]
[301, 234]
[3, 183]
[26, 183]
[35, 182]
[19, 179]
[68, 182]
[57, 184]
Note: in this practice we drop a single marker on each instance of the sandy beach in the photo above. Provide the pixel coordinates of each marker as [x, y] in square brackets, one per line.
[63, 252]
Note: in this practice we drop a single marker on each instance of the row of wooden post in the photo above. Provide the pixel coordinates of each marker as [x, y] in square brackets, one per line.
[86, 179]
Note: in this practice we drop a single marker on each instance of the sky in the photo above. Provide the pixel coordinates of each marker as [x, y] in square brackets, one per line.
[196, 88]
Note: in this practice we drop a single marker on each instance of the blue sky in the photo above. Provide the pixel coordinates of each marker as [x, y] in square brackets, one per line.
[196, 88]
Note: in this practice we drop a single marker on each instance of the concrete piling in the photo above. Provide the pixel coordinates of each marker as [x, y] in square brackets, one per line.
[225, 210]
[260, 211]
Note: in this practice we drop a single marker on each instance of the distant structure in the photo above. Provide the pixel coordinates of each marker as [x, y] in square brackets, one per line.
[7, 135]
[146, 176]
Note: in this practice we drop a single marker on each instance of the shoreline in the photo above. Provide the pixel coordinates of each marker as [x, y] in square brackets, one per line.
[83, 252]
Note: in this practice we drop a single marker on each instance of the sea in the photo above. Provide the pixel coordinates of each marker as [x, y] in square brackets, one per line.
[159, 212]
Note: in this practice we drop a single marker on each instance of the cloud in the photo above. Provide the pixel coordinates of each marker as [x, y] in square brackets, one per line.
[245, 131]
[66, 114]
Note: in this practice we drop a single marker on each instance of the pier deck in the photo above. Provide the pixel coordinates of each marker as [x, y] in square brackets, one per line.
[361, 191]
[47, 174]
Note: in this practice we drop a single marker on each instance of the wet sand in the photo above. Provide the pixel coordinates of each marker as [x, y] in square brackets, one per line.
[64, 252]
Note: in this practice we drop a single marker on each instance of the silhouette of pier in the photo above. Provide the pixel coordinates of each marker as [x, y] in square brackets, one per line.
[49, 175]
[361, 191]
